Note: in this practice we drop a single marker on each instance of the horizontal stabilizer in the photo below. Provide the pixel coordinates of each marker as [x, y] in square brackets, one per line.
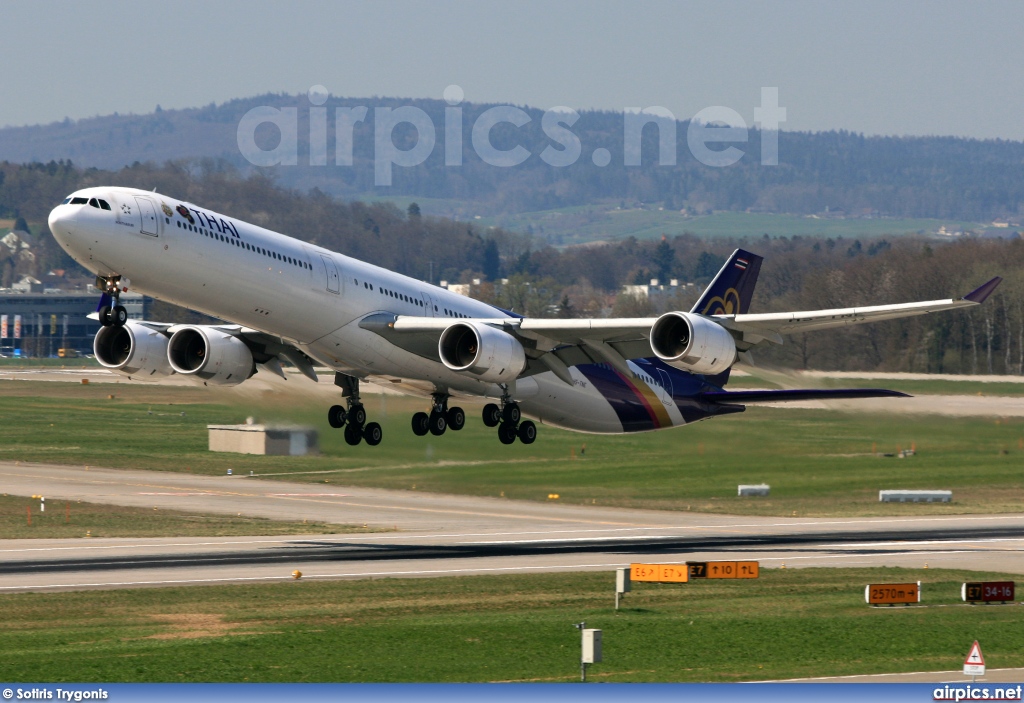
[779, 396]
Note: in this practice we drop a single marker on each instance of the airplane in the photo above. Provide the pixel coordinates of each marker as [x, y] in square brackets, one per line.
[283, 299]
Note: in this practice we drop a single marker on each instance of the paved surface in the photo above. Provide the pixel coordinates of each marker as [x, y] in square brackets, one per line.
[992, 676]
[447, 535]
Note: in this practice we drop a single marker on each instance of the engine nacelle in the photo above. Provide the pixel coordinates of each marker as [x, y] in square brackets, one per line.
[133, 350]
[693, 343]
[210, 355]
[488, 353]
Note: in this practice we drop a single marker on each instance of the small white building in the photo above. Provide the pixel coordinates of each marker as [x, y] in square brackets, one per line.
[261, 439]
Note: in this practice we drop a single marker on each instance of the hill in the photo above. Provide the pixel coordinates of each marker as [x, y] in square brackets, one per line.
[847, 175]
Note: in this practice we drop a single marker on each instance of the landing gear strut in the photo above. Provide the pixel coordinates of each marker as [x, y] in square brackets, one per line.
[354, 418]
[115, 315]
[507, 419]
[441, 418]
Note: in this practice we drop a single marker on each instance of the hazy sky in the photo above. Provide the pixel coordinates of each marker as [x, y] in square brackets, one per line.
[876, 67]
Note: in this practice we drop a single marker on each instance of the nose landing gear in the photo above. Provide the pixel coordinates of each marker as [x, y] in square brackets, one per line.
[353, 419]
[115, 315]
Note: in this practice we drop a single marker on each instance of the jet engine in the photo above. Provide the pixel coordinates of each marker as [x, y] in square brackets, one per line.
[490, 354]
[693, 343]
[210, 355]
[133, 350]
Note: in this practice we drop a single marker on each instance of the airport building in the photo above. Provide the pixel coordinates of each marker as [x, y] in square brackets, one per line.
[37, 322]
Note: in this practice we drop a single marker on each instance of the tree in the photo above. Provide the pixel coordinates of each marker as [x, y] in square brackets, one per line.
[492, 260]
[414, 211]
[707, 266]
[664, 260]
[21, 226]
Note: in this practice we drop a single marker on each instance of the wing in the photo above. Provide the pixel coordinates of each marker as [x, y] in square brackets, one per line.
[770, 326]
[550, 345]
[556, 345]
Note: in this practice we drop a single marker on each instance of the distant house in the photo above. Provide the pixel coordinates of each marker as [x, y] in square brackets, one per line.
[13, 242]
[655, 289]
[28, 284]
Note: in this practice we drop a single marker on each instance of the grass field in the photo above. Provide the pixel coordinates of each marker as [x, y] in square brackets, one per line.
[817, 462]
[789, 623]
[20, 518]
[929, 387]
[905, 385]
[12, 363]
[578, 225]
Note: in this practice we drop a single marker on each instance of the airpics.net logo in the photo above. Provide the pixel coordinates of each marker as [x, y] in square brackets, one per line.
[714, 136]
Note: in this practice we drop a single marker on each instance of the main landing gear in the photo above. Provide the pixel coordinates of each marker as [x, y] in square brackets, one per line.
[353, 419]
[115, 315]
[506, 419]
[441, 418]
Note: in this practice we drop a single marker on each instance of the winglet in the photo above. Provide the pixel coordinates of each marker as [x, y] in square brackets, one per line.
[979, 294]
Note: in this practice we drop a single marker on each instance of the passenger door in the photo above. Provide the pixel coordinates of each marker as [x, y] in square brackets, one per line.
[148, 212]
[333, 279]
[429, 303]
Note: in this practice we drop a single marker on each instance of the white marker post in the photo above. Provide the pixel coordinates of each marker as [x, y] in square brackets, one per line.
[974, 664]
[590, 648]
[622, 584]
[42, 504]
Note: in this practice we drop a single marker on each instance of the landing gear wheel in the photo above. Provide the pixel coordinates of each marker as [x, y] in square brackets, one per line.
[437, 424]
[372, 434]
[118, 316]
[507, 433]
[511, 414]
[357, 415]
[104, 313]
[353, 435]
[420, 424]
[336, 417]
[456, 419]
[492, 415]
[527, 432]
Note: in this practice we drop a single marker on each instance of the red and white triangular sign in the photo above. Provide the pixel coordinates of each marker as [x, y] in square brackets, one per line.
[974, 664]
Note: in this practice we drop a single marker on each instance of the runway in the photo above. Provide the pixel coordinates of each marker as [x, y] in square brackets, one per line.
[435, 535]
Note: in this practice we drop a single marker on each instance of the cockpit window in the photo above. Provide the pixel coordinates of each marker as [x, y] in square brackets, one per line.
[79, 201]
[66, 200]
[94, 203]
[104, 205]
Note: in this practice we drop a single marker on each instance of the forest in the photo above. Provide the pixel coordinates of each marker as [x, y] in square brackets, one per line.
[519, 272]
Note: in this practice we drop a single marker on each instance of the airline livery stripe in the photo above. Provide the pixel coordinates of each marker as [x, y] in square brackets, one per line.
[620, 395]
[649, 399]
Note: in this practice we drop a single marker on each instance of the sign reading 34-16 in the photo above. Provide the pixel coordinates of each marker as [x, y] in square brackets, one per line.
[988, 592]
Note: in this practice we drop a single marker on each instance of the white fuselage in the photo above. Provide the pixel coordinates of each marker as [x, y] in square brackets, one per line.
[314, 298]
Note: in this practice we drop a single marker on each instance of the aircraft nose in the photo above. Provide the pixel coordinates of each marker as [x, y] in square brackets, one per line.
[60, 220]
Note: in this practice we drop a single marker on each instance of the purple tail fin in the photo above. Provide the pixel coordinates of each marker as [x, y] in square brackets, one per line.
[733, 288]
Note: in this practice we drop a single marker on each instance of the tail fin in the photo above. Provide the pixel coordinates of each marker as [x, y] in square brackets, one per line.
[733, 288]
